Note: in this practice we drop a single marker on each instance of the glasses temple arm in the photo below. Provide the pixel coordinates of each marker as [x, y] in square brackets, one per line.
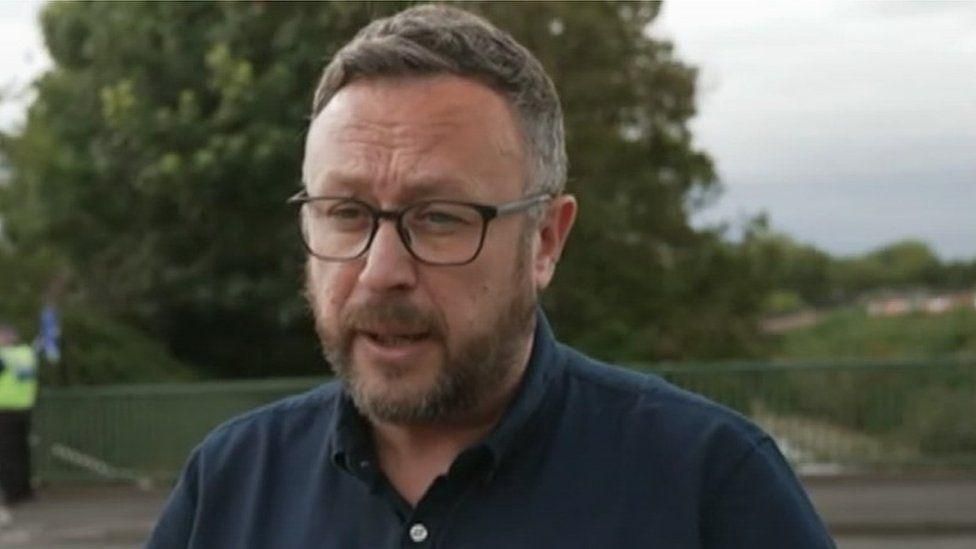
[523, 204]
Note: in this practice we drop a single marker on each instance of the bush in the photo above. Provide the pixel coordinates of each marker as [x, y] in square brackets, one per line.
[99, 350]
[941, 421]
[850, 333]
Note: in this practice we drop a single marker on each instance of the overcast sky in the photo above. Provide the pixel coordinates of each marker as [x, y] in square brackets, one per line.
[22, 56]
[852, 124]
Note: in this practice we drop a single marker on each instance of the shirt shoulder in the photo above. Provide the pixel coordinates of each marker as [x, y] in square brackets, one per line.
[249, 466]
[298, 416]
[689, 467]
[639, 393]
[655, 417]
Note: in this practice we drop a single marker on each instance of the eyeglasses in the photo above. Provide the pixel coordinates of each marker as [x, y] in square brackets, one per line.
[435, 232]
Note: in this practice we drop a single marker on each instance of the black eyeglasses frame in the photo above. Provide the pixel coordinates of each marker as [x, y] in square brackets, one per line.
[487, 212]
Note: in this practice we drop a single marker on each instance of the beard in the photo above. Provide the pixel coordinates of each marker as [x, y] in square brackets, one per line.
[471, 370]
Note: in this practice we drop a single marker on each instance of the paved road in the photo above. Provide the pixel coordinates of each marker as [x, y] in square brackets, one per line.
[892, 503]
[917, 512]
[863, 513]
[906, 542]
[891, 512]
[103, 517]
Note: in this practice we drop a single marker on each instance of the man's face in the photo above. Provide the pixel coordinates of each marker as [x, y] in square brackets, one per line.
[415, 342]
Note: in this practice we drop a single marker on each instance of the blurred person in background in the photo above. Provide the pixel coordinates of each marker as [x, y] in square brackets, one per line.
[434, 215]
[18, 391]
[48, 341]
[49, 335]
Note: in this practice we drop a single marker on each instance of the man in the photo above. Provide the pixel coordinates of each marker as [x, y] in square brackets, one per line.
[433, 214]
[18, 391]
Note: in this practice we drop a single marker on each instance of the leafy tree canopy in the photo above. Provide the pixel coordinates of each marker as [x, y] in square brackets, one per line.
[158, 153]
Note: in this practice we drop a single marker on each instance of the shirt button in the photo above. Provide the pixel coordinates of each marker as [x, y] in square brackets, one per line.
[418, 533]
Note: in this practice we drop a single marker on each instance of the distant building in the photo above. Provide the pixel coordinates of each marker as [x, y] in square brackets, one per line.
[919, 302]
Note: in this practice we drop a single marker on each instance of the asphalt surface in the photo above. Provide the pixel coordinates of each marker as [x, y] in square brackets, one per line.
[95, 517]
[863, 512]
[898, 512]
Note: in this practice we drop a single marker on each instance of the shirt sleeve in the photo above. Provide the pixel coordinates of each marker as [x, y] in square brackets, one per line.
[175, 525]
[761, 505]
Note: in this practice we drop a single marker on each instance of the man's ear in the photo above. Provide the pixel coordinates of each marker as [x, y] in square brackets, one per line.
[550, 237]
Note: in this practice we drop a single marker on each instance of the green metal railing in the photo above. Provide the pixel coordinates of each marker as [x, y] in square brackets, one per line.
[854, 415]
[826, 417]
[137, 432]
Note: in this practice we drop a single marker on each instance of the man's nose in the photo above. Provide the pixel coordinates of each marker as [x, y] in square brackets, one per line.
[388, 264]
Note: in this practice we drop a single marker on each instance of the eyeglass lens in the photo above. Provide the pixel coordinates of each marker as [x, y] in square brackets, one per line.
[435, 232]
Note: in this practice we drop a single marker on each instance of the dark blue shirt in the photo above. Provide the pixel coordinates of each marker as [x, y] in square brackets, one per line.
[587, 455]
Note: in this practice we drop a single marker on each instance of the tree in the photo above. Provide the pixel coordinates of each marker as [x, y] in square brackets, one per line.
[161, 146]
[902, 265]
[164, 143]
[637, 281]
[791, 269]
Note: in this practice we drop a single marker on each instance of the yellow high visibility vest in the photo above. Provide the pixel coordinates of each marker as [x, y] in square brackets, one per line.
[18, 380]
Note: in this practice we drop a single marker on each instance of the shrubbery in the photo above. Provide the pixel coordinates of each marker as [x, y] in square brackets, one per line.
[102, 350]
[911, 379]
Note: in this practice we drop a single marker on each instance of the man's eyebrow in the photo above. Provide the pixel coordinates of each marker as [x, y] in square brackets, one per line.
[440, 187]
[420, 188]
[334, 180]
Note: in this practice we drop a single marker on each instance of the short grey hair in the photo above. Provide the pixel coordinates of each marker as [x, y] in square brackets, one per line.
[435, 39]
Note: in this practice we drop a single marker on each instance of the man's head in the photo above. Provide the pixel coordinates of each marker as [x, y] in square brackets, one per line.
[441, 40]
[433, 104]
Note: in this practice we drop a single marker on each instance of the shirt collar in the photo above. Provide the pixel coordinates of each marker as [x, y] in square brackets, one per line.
[352, 447]
[536, 381]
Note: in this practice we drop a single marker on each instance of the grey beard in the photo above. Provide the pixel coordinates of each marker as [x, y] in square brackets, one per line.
[478, 370]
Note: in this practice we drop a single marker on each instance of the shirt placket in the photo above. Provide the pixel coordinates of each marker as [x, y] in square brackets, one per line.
[427, 519]
[427, 523]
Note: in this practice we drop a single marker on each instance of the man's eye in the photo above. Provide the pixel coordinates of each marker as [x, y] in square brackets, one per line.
[346, 212]
[435, 217]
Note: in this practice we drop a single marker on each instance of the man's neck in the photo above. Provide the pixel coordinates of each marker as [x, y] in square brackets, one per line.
[413, 455]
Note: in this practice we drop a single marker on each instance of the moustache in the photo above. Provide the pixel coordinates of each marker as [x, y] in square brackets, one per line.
[396, 314]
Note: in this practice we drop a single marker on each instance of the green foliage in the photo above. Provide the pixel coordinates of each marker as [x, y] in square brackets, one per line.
[851, 333]
[99, 350]
[21, 292]
[783, 302]
[160, 148]
[929, 409]
[940, 420]
[903, 264]
[636, 281]
[820, 280]
[790, 269]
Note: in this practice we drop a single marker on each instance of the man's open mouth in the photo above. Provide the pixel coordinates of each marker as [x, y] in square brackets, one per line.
[394, 339]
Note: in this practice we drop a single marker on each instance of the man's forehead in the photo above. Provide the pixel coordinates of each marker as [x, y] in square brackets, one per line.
[441, 92]
[416, 107]
[370, 122]
[417, 185]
